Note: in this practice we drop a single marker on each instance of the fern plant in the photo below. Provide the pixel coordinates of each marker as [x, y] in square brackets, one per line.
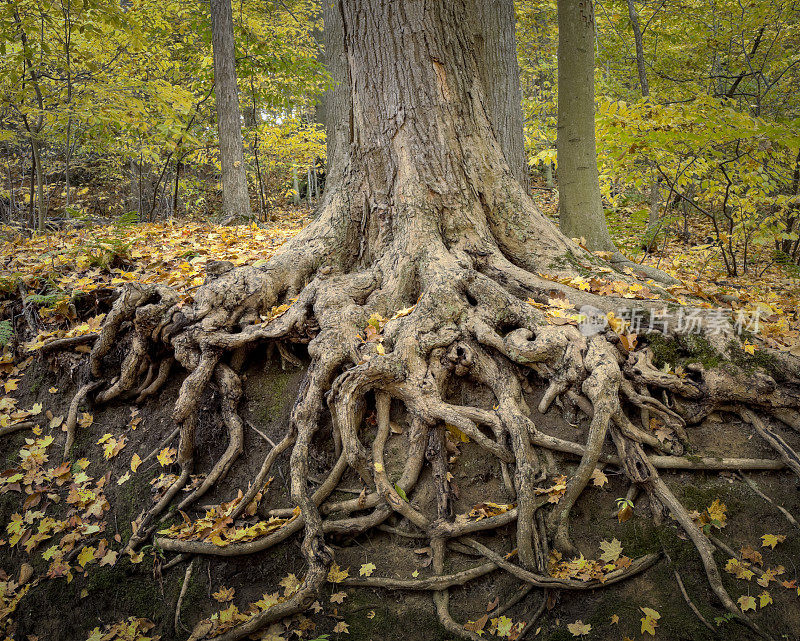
[6, 332]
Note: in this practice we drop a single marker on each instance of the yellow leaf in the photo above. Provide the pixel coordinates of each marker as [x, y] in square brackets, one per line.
[764, 599]
[341, 627]
[336, 574]
[367, 569]
[747, 603]
[166, 456]
[771, 540]
[86, 555]
[579, 628]
[136, 461]
[223, 594]
[338, 597]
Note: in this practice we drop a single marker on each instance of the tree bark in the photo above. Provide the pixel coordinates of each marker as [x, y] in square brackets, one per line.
[496, 53]
[495, 50]
[235, 195]
[580, 204]
[637, 38]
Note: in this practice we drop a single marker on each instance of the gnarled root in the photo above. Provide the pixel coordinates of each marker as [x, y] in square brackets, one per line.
[441, 313]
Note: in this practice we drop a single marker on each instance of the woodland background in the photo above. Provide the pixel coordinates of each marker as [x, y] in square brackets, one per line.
[109, 152]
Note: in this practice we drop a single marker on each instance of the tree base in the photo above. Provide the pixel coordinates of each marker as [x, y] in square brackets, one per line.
[401, 324]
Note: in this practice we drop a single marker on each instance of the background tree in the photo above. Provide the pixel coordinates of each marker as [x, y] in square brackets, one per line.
[580, 205]
[235, 193]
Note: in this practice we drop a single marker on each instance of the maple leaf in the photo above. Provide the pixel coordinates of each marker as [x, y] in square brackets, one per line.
[764, 599]
[110, 558]
[771, 540]
[717, 513]
[85, 420]
[504, 626]
[614, 619]
[166, 456]
[649, 621]
[752, 555]
[338, 597]
[341, 627]
[367, 569]
[290, 584]
[124, 478]
[11, 384]
[86, 555]
[611, 550]
[223, 594]
[599, 479]
[747, 603]
[579, 628]
[336, 574]
[556, 491]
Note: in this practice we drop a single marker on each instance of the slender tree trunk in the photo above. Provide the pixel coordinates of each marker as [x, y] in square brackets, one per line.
[235, 196]
[67, 52]
[637, 38]
[295, 186]
[37, 158]
[32, 191]
[580, 204]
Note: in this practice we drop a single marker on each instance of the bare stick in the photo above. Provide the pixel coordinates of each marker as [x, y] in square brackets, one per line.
[184, 587]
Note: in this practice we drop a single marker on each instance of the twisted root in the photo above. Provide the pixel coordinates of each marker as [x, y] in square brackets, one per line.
[470, 320]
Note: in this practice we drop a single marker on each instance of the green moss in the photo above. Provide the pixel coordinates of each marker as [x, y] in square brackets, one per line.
[272, 394]
[389, 622]
[749, 363]
[684, 349]
[36, 382]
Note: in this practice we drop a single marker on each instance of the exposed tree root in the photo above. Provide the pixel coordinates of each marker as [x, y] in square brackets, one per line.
[446, 304]
[780, 508]
[691, 604]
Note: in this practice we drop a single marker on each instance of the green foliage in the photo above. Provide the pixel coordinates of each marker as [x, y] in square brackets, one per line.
[133, 84]
[6, 332]
[718, 133]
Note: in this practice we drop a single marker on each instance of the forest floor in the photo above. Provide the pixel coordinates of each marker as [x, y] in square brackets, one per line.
[62, 576]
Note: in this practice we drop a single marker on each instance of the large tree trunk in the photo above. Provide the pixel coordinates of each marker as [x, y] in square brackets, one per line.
[495, 51]
[580, 204]
[496, 54]
[235, 195]
[422, 269]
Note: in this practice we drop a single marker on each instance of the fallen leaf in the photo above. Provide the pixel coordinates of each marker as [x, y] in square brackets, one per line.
[223, 594]
[611, 550]
[599, 478]
[771, 540]
[579, 628]
[747, 603]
